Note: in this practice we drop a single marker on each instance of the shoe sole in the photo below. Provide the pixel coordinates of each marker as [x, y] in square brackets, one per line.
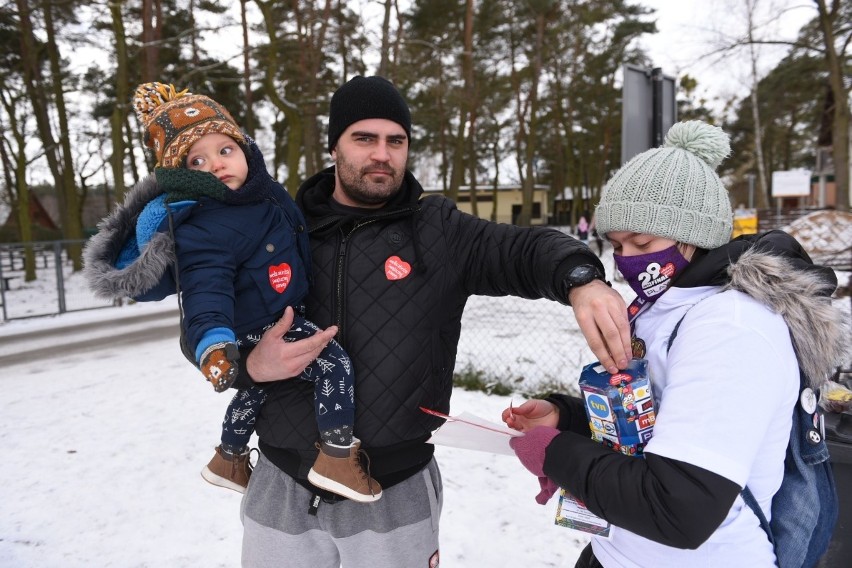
[220, 481]
[330, 485]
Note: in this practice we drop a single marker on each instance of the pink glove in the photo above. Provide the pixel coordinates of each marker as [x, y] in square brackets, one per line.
[531, 446]
[548, 488]
[530, 450]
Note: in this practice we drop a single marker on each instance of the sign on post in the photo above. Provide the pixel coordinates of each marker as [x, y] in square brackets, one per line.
[791, 183]
[648, 109]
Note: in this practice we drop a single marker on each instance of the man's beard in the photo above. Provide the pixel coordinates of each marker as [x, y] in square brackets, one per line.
[355, 183]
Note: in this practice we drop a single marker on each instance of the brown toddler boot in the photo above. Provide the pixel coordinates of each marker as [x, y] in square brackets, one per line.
[338, 469]
[231, 471]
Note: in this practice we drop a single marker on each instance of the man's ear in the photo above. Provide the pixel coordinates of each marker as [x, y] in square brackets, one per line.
[334, 154]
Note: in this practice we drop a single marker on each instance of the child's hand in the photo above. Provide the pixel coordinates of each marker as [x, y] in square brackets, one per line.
[530, 414]
[219, 365]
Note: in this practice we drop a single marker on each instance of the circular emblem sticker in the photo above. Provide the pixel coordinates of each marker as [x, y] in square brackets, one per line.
[808, 400]
[814, 437]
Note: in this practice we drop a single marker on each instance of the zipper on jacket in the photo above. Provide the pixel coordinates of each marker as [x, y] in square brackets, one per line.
[341, 261]
[338, 287]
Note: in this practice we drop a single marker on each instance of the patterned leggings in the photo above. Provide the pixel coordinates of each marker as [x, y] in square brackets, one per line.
[334, 389]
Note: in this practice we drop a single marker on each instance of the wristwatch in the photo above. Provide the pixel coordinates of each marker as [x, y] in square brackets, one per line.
[583, 274]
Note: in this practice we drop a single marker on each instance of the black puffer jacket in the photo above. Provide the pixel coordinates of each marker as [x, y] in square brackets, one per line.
[396, 280]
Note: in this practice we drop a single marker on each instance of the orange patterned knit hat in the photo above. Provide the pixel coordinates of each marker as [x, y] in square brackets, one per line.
[174, 121]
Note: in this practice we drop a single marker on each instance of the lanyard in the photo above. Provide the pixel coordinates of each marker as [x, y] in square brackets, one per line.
[636, 307]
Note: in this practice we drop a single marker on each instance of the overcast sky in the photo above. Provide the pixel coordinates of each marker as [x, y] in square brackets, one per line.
[691, 30]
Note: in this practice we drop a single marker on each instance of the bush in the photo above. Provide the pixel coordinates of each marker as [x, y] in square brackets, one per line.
[477, 380]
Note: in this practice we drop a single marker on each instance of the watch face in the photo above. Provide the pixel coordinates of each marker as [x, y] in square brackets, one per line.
[582, 274]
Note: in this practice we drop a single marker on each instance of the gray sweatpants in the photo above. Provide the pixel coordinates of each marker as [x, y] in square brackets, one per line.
[400, 530]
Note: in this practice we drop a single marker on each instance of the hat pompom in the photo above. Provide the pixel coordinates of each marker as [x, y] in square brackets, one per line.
[710, 143]
[149, 96]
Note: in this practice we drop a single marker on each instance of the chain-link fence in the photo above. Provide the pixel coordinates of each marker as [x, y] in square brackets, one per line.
[532, 347]
[50, 286]
[512, 345]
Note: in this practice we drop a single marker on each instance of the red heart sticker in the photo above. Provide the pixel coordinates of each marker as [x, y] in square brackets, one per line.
[668, 270]
[396, 268]
[279, 277]
[620, 378]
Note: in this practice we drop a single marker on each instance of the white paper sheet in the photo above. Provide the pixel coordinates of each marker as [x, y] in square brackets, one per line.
[470, 432]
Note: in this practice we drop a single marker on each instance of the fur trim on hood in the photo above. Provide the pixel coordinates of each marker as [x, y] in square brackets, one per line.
[116, 233]
[816, 327]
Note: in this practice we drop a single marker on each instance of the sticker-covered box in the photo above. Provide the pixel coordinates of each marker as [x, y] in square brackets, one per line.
[620, 406]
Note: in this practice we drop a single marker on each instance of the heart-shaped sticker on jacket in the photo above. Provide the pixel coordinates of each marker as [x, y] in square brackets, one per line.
[396, 268]
[279, 277]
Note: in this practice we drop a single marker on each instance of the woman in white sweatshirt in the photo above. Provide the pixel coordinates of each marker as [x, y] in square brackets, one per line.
[747, 314]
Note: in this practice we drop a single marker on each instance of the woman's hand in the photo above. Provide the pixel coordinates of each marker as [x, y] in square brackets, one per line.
[530, 414]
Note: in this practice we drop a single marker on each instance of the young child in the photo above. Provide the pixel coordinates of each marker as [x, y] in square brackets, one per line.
[241, 258]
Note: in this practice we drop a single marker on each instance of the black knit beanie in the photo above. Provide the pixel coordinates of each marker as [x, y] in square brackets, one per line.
[365, 97]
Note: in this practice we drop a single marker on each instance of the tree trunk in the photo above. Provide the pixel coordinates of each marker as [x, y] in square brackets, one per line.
[21, 198]
[152, 14]
[527, 190]
[73, 223]
[763, 193]
[289, 109]
[36, 89]
[384, 63]
[122, 100]
[312, 29]
[840, 125]
[465, 106]
[248, 122]
[473, 164]
[495, 185]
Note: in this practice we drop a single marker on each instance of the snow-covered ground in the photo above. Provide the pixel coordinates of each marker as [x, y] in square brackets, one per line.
[103, 451]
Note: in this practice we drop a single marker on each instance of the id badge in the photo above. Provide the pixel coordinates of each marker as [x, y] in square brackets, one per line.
[571, 513]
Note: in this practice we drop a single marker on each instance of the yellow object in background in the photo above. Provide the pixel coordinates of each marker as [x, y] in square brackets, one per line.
[745, 222]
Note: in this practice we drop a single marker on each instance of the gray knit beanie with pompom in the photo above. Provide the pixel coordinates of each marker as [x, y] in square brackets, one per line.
[673, 191]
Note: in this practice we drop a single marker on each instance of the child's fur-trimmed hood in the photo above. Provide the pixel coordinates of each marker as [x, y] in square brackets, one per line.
[116, 235]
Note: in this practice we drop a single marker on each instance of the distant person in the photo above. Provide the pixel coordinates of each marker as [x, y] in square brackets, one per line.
[583, 228]
[242, 262]
[739, 317]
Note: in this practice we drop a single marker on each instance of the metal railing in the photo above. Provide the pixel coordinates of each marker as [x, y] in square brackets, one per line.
[48, 286]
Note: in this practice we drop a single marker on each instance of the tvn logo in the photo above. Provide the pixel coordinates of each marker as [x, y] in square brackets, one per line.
[598, 406]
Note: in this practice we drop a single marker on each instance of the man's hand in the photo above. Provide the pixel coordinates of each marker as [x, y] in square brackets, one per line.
[602, 315]
[530, 414]
[274, 359]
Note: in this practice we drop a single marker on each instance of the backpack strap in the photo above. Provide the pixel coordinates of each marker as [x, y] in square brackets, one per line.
[749, 500]
[674, 333]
